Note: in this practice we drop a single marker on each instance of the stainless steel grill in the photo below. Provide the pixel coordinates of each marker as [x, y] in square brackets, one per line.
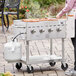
[39, 30]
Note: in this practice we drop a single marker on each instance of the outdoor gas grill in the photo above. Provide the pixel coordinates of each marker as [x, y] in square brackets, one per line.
[40, 29]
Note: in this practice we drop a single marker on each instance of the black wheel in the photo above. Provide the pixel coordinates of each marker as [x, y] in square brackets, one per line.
[52, 63]
[30, 69]
[18, 65]
[64, 67]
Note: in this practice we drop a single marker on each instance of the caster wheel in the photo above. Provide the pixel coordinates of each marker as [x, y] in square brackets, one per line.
[52, 63]
[18, 65]
[30, 69]
[64, 67]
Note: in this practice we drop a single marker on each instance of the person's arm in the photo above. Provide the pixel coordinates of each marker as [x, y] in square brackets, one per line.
[67, 8]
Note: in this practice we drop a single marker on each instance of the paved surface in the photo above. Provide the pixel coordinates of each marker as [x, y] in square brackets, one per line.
[39, 47]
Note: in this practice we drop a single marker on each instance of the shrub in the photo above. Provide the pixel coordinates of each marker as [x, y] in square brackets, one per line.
[32, 9]
[46, 3]
[38, 8]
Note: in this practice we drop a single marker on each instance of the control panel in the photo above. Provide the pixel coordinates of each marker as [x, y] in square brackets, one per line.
[45, 30]
[40, 30]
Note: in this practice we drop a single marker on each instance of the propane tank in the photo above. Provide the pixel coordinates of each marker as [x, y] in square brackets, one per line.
[12, 51]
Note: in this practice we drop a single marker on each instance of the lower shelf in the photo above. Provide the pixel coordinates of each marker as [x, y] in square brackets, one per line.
[41, 59]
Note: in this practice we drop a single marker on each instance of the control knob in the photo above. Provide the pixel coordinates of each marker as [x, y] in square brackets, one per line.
[33, 31]
[50, 30]
[58, 29]
[41, 31]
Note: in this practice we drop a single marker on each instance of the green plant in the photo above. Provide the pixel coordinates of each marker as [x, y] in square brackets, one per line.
[46, 3]
[38, 8]
[35, 10]
[24, 7]
[1, 74]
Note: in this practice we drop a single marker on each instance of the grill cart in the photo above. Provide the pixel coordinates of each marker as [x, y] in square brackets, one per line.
[36, 29]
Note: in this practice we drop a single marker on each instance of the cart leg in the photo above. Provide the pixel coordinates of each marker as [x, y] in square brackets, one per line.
[64, 65]
[27, 52]
[51, 52]
[63, 50]
[29, 67]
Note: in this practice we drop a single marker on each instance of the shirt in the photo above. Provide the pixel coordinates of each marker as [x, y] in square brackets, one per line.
[70, 4]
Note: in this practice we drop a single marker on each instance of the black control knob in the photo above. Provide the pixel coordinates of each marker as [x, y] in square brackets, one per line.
[50, 30]
[41, 31]
[58, 29]
[33, 31]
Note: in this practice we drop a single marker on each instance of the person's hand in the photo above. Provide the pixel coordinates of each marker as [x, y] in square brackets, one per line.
[58, 17]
